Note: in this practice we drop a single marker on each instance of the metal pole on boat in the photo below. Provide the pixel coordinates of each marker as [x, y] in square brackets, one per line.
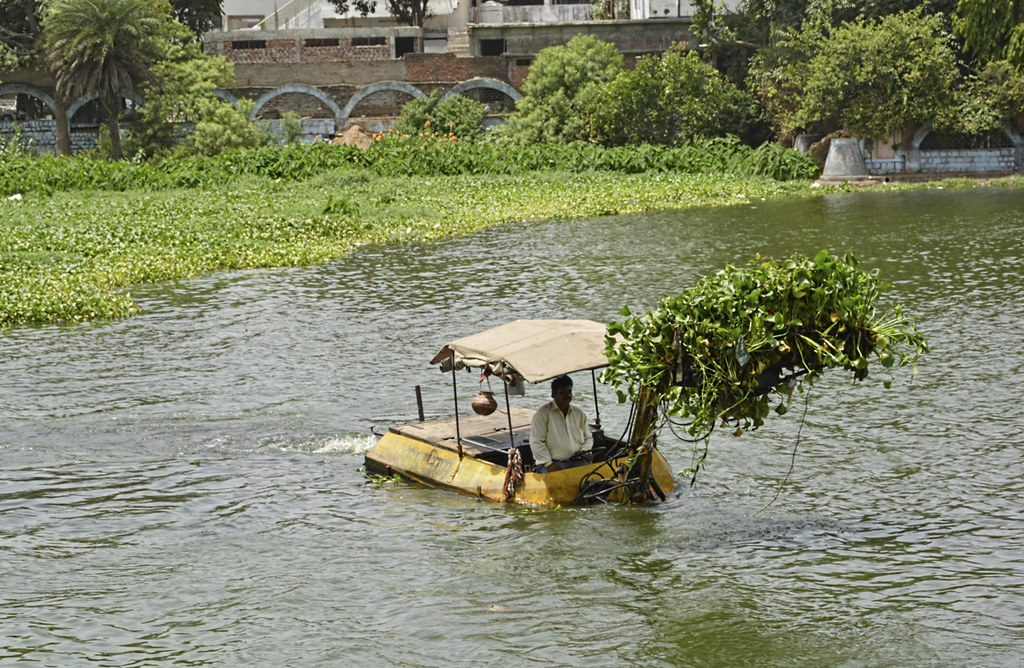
[597, 406]
[419, 403]
[508, 413]
[455, 393]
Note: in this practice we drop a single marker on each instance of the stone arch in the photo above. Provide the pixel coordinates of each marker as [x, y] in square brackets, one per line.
[914, 157]
[481, 82]
[14, 88]
[225, 95]
[89, 97]
[376, 88]
[926, 129]
[305, 89]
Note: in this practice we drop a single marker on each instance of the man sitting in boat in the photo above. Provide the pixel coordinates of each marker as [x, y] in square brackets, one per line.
[559, 434]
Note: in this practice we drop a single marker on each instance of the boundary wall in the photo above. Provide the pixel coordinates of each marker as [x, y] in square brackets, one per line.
[327, 116]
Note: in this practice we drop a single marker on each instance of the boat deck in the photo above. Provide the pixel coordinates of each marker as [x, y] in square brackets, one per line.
[480, 434]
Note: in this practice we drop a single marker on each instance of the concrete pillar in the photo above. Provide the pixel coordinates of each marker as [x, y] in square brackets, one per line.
[803, 143]
[845, 161]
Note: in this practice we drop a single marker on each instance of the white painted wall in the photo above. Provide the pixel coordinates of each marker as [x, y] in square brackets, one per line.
[311, 13]
[306, 14]
[656, 9]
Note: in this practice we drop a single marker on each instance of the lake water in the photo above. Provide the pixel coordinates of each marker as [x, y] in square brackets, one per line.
[184, 487]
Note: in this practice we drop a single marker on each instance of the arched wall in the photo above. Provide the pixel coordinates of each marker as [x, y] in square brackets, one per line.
[364, 93]
[301, 88]
[341, 114]
[225, 95]
[484, 83]
[45, 98]
[89, 97]
[25, 89]
[926, 129]
[964, 160]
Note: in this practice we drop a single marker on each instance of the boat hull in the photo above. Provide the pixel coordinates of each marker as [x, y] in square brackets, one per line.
[438, 466]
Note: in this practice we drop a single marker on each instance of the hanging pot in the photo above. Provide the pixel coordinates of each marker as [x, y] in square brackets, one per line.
[484, 403]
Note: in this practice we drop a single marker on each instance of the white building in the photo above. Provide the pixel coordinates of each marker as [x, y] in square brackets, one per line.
[450, 15]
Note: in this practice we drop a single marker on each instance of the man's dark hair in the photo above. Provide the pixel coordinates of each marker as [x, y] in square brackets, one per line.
[559, 383]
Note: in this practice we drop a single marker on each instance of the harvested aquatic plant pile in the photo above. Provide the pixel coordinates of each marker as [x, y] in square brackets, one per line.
[742, 339]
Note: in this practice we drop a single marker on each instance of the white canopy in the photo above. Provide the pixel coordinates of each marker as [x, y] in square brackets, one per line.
[535, 350]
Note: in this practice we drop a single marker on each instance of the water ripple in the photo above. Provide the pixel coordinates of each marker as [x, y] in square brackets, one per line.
[184, 486]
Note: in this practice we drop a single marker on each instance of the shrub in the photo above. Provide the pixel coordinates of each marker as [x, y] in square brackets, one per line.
[669, 99]
[454, 115]
[291, 126]
[555, 92]
[225, 127]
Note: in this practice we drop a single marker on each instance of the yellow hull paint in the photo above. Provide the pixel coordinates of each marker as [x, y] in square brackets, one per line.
[435, 466]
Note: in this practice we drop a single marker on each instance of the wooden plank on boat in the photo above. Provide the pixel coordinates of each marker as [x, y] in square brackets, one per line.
[493, 427]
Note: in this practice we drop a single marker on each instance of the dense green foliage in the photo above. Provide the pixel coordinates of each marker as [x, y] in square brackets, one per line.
[197, 15]
[758, 27]
[722, 349]
[581, 91]
[992, 29]
[869, 68]
[74, 256]
[868, 77]
[670, 99]
[19, 29]
[558, 87]
[225, 127]
[182, 114]
[455, 116]
[986, 101]
[395, 155]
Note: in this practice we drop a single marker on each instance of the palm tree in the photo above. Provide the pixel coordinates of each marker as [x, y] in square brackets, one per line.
[104, 47]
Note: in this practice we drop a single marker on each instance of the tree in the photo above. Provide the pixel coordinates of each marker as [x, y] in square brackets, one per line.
[223, 126]
[19, 29]
[407, 12]
[669, 99]
[986, 100]
[197, 15]
[730, 39]
[777, 16]
[992, 29]
[870, 77]
[104, 47]
[181, 96]
[362, 7]
[557, 87]
[19, 47]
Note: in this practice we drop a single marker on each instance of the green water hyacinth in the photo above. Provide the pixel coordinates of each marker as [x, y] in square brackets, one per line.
[724, 349]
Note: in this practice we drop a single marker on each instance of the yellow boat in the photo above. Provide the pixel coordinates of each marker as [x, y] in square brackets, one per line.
[487, 454]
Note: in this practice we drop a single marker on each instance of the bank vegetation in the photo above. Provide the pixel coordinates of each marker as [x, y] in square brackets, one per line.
[82, 233]
[79, 233]
[197, 185]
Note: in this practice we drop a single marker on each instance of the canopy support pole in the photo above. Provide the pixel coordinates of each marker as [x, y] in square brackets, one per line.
[455, 394]
[508, 414]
